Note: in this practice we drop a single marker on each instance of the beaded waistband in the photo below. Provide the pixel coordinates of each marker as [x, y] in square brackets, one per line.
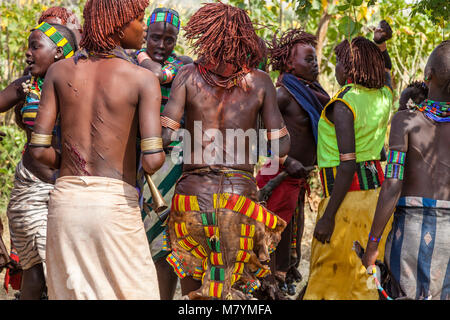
[368, 176]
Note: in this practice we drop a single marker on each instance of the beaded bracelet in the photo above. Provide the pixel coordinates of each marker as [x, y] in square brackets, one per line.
[395, 166]
[166, 122]
[396, 157]
[374, 239]
[394, 171]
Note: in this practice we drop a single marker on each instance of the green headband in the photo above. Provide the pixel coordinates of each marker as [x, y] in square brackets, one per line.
[169, 16]
[56, 37]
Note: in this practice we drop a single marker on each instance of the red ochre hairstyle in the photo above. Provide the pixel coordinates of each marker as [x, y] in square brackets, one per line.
[221, 33]
[102, 18]
[363, 62]
[56, 12]
[280, 48]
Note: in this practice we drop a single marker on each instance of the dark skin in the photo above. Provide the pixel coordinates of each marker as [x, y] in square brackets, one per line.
[222, 109]
[103, 141]
[40, 55]
[380, 36]
[161, 40]
[302, 63]
[427, 166]
[74, 26]
[342, 118]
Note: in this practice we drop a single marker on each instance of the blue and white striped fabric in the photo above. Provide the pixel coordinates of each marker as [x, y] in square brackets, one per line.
[418, 248]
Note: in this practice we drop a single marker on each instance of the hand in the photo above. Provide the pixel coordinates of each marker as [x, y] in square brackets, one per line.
[324, 229]
[382, 33]
[2, 134]
[294, 168]
[370, 256]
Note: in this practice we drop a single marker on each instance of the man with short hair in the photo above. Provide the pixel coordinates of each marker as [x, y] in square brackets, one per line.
[417, 191]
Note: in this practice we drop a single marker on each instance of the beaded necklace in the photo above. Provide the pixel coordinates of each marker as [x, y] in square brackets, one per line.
[435, 110]
[117, 52]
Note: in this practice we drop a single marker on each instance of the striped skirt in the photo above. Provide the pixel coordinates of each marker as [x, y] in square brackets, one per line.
[27, 215]
[165, 178]
[418, 248]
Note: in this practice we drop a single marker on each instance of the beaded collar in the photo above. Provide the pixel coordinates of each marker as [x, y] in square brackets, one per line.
[435, 110]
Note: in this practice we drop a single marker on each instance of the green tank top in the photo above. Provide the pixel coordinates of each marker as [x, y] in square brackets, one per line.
[371, 109]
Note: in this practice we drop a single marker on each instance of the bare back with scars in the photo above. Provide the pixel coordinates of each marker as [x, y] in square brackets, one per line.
[100, 102]
[216, 112]
[427, 169]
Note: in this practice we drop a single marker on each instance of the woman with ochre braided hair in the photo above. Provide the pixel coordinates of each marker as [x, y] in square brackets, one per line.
[96, 242]
[27, 209]
[220, 237]
[351, 136]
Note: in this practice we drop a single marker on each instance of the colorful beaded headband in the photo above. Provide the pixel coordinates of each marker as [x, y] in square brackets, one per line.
[169, 16]
[56, 37]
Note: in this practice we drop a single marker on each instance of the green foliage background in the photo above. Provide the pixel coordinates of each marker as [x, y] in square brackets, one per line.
[418, 27]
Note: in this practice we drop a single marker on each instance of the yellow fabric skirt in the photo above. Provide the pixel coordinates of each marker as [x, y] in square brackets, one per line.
[336, 272]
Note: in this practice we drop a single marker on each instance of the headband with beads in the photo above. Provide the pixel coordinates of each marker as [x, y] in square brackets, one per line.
[165, 15]
[56, 37]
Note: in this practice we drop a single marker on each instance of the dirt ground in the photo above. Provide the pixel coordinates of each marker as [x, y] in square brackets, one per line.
[310, 218]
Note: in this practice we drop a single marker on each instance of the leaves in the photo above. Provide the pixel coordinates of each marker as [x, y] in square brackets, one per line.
[438, 11]
[10, 154]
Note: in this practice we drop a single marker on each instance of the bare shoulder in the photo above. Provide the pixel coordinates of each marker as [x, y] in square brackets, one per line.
[185, 72]
[283, 96]
[142, 76]
[405, 120]
[187, 69]
[60, 67]
[261, 77]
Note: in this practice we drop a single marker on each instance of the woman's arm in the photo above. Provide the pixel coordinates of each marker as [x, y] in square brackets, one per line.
[12, 94]
[343, 120]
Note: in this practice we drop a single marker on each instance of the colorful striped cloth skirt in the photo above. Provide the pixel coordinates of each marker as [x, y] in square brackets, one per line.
[27, 215]
[418, 248]
[219, 234]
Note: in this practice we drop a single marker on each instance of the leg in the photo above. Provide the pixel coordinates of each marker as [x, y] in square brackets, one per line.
[167, 279]
[33, 283]
[283, 253]
[300, 225]
[188, 284]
